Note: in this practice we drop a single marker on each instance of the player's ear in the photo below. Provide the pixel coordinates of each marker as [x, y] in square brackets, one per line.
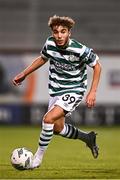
[69, 33]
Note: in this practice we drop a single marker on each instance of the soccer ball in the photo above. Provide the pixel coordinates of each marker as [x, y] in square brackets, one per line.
[21, 158]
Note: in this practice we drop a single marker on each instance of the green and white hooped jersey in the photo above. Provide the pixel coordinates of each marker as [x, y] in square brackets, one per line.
[68, 66]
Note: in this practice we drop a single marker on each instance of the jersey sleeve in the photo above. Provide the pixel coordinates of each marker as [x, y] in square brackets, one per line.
[89, 57]
[44, 53]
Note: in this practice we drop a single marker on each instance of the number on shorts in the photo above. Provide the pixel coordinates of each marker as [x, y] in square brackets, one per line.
[70, 99]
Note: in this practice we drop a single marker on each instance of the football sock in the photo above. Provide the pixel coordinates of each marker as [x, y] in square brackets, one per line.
[69, 131]
[45, 137]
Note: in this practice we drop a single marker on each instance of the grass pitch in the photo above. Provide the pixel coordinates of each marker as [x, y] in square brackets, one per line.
[65, 158]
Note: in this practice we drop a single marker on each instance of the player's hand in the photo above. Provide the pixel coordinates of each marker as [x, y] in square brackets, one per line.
[18, 79]
[91, 99]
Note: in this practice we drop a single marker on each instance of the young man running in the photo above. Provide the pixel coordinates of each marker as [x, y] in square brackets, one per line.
[68, 61]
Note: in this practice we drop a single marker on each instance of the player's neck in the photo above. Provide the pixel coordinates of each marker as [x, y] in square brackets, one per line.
[65, 45]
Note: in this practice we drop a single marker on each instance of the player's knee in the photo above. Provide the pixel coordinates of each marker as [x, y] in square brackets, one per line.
[48, 119]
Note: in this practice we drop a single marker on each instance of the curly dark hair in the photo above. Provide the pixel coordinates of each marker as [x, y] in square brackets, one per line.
[61, 20]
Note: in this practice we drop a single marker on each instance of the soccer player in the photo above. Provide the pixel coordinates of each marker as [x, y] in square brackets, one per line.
[68, 61]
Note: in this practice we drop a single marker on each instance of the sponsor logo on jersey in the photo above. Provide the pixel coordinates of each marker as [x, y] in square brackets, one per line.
[63, 66]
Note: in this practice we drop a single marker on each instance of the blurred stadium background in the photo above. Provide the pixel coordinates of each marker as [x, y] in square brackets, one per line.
[23, 31]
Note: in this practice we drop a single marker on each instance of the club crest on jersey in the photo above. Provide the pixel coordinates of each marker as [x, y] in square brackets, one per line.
[73, 58]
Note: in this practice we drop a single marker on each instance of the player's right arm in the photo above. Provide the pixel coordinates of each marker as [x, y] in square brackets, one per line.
[37, 63]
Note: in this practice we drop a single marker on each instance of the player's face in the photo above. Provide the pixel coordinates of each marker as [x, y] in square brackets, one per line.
[61, 35]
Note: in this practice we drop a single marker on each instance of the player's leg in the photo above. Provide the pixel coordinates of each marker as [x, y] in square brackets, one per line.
[47, 133]
[71, 132]
[68, 102]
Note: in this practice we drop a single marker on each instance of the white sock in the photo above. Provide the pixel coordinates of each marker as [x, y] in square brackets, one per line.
[45, 138]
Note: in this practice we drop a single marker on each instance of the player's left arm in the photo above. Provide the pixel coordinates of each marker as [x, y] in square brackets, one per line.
[91, 96]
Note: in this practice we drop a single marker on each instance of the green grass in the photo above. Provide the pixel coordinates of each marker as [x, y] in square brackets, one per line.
[64, 159]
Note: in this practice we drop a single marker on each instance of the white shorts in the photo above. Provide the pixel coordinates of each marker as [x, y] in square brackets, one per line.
[68, 102]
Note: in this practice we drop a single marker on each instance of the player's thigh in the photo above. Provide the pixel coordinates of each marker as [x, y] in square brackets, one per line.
[54, 114]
